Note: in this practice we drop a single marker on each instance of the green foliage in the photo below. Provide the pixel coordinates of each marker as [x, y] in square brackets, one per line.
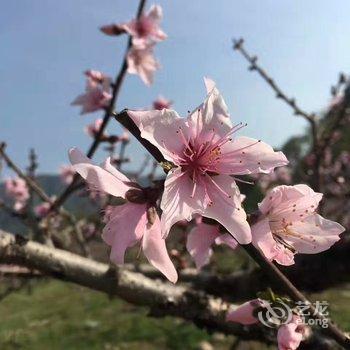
[63, 316]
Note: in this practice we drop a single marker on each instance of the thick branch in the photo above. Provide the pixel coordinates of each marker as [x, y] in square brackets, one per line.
[162, 298]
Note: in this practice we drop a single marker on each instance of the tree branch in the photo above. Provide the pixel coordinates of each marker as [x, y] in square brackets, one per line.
[163, 298]
[242, 285]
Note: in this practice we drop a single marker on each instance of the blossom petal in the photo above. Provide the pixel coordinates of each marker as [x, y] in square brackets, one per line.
[290, 202]
[245, 155]
[284, 256]
[211, 115]
[177, 202]
[159, 128]
[125, 228]
[314, 234]
[228, 211]
[199, 242]
[243, 314]
[262, 238]
[106, 165]
[155, 13]
[154, 248]
[142, 62]
[95, 176]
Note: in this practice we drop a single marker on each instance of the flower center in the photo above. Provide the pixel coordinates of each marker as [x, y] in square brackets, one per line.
[144, 27]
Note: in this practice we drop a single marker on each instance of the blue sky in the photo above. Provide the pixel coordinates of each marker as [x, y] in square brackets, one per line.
[46, 45]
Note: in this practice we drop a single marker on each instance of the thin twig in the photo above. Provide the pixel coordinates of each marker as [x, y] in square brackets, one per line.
[298, 111]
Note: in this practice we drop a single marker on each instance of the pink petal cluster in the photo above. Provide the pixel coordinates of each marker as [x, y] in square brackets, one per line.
[205, 155]
[97, 93]
[145, 32]
[141, 61]
[67, 173]
[134, 222]
[289, 224]
[289, 335]
[200, 240]
[146, 29]
[17, 189]
[162, 103]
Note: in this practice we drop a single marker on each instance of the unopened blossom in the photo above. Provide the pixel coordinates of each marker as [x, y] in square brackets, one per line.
[97, 94]
[67, 173]
[288, 224]
[201, 238]
[246, 313]
[161, 103]
[290, 335]
[203, 156]
[142, 62]
[17, 189]
[146, 29]
[113, 29]
[134, 222]
[97, 77]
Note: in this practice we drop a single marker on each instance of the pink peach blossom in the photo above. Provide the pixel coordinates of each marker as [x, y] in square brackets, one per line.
[161, 103]
[146, 30]
[17, 189]
[290, 335]
[141, 62]
[205, 155]
[67, 173]
[96, 76]
[244, 314]
[289, 224]
[97, 94]
[201, 238]
[134, 222]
